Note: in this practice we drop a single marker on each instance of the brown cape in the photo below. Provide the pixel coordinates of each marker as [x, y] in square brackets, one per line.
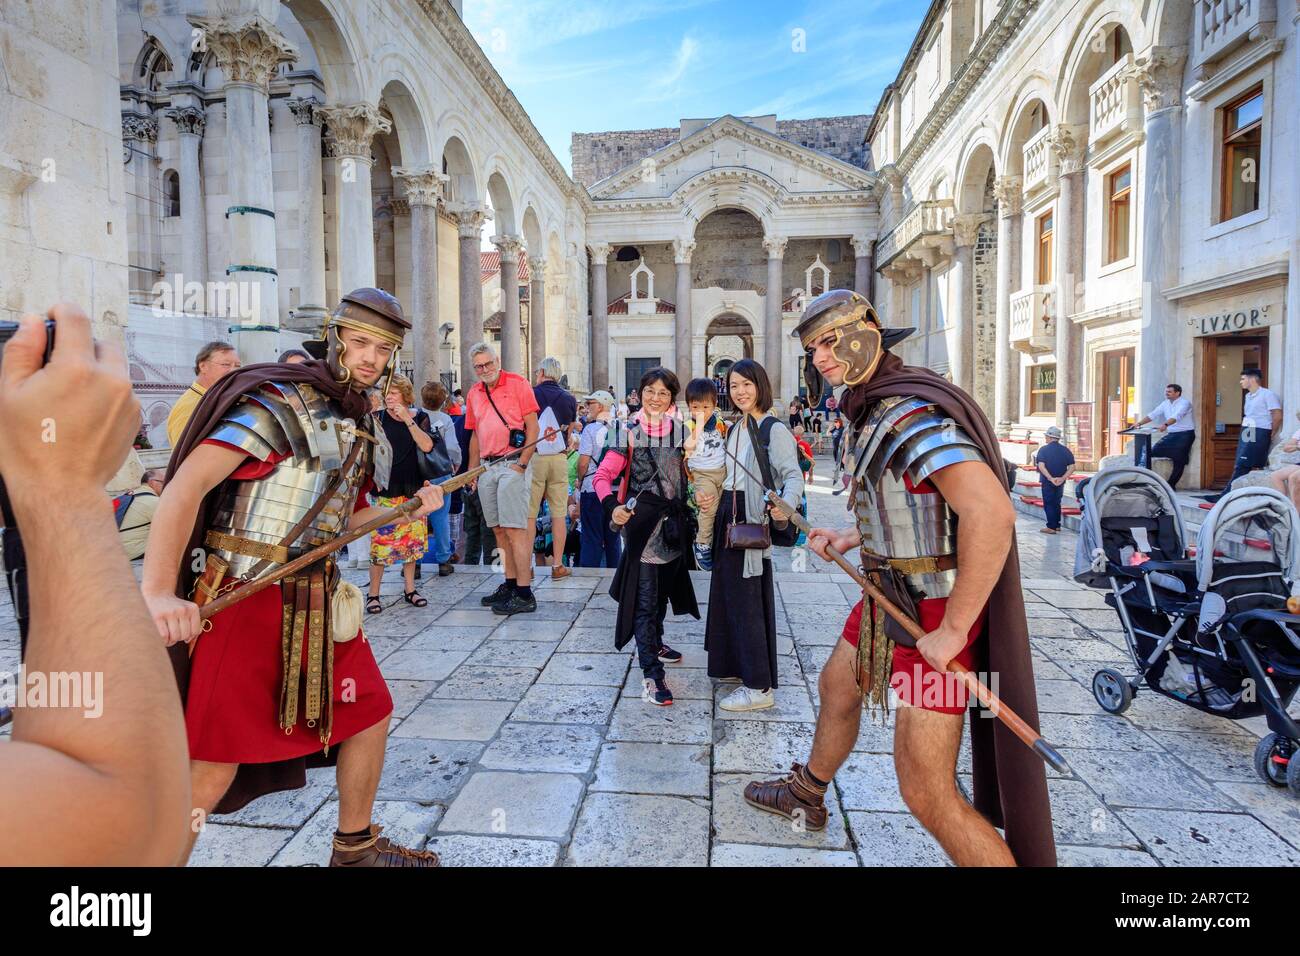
[1010, 782]
[252, 780]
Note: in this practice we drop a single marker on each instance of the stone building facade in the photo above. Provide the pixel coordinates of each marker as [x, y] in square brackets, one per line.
[1127, 175]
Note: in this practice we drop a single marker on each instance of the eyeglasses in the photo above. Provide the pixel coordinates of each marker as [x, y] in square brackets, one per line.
[484, 366]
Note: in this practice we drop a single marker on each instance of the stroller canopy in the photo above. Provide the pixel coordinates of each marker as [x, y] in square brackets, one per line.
[1254, 512]
[1125, 492]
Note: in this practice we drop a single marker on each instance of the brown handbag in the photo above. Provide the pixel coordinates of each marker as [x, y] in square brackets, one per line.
[746, 535]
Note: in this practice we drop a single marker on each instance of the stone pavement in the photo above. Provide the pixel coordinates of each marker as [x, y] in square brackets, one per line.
[526, 743]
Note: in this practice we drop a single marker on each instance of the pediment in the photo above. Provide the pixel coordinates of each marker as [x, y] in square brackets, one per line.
[732, 148]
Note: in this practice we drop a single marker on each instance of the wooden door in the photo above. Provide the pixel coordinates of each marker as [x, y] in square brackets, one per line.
[1218, 419]
[1117, 396]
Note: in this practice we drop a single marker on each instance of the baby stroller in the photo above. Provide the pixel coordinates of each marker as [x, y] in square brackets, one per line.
[1211, 631]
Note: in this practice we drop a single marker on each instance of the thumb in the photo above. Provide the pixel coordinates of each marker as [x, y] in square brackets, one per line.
[24, 352]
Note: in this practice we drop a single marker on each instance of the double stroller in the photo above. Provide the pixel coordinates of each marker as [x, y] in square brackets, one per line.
[1209, 628]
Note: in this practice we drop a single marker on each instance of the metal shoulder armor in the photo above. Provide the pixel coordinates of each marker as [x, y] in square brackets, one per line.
[913, 437]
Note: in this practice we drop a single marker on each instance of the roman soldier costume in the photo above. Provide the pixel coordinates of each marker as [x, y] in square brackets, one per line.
[907, 424]
[274, 706]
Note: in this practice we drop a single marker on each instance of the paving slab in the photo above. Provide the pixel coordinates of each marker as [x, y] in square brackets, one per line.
[550, 748]
[640, 767]
[626, 829]
[456, 719]
[515, 804]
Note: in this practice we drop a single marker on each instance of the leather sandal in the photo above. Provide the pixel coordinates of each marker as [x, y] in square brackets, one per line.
[416, 599]
[373, 604]
[794, 796]
[374, 850]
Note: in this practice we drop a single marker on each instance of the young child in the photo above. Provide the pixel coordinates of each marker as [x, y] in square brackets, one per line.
[805, 453]
[705, 459]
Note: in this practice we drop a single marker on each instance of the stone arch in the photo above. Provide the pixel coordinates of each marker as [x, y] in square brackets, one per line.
[975, 168]
[152, 63]
[458, 164]
[532, 233]
[707, 192]
[1088, 57]
[729, 250]
[1168, 23]
[409, 128]
[728, 335]
[502, 200]
[1018, 125]
[330, 28]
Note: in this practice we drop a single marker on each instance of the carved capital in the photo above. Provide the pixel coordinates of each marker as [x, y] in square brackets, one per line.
[1067, 142]
[470, 219]
[140, 127]
[188, 119]
[775, 246]
[536, 269]
[509, 247]
[599, 253]
[425, 185]
[1159, 73]
[351, 128]
[306, 110]
[1010, 195]
[862, 246]
[249, 49]
[683, 249]
[966, 228]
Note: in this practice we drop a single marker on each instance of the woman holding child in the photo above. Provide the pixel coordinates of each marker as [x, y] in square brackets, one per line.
[740, 634]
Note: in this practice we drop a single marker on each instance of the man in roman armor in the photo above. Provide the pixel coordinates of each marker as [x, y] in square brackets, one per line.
[936, 529]
[275, 461]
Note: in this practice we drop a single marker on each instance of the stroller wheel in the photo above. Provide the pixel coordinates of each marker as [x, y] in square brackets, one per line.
[1272, 770]
[1112, 690]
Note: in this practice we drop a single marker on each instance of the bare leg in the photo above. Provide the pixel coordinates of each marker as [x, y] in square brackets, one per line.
[840, 714]
[361, 761]
[925, 755]
[503, 547]
[376, 575]
[521, 548]
[208, 784]
[408, 575]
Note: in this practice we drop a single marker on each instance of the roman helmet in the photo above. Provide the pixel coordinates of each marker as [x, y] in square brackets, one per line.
[859, 343]
[368, 310]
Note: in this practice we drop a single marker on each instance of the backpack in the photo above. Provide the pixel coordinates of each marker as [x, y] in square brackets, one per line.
[122, 504]
[781, 537]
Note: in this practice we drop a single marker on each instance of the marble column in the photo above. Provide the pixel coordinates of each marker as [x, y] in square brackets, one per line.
[1160, 76]
[682, 327]
[139, 137]
[962, 359]
[1291, 334]
[350, 131]
[470, 218]
[773, 347]
[311, 311]
[511, 347]
[424, 190]
[599, 316]
[536, 311]
[249, 49]
[862, 249]
[1070, 181]
[190, 122]
[1006, 389]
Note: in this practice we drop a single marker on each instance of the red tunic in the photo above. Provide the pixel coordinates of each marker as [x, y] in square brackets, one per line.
[235, 676]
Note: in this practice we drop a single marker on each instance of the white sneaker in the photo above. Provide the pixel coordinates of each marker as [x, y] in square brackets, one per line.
[746, 698]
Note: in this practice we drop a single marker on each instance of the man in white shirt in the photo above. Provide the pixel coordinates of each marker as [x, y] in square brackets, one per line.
[1173, 417]
[1261, 420]
[600, 545]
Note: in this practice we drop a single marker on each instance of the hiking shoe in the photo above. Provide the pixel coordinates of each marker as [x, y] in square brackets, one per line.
[515, 604]
[746, 698]
[502, 592]
[446, 568]
[655, 691]
[703, 557]
[669, 656]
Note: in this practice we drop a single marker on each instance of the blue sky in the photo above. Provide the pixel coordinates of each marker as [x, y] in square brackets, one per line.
[595, 65]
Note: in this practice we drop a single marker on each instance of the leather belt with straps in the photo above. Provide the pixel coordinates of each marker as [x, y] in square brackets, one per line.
[233, 543]
[929, 564]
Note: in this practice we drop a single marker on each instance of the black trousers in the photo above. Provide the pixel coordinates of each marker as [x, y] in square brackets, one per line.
[1177, 447]
[1251, 454]
[480, 540]
[1052, 495]
[648, 626]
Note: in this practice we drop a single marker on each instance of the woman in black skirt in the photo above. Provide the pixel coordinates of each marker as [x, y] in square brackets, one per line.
[740, 634]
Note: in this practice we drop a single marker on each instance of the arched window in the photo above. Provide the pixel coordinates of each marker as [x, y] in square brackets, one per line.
[171, 193]
[627, 254]
[153, 64]
[1118, 45]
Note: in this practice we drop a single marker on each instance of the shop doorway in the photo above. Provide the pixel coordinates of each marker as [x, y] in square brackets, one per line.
[1220, 400]
[1118, 397]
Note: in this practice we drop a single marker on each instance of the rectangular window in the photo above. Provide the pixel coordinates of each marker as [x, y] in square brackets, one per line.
[1042, 390]
[1119, 188]
[1045, 248]
[1243, 133]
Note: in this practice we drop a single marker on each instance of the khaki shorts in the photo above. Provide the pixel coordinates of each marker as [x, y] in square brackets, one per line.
[549, 475]
[503, 496]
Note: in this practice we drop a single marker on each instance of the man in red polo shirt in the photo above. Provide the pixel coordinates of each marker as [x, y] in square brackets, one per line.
[501, 411]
